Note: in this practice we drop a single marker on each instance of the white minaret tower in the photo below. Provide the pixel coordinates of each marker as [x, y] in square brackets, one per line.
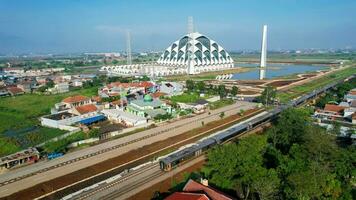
[263, 53]
[190, 68]
[128, 48]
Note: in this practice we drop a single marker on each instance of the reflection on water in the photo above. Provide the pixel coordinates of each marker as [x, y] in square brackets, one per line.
[276, 71]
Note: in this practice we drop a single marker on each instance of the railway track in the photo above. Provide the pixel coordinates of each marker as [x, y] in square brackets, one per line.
[133, 186]
[59, 193]
[105, 186]
[105, 150]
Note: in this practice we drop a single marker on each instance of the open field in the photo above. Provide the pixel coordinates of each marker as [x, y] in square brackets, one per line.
[296, 91]
[19, 118]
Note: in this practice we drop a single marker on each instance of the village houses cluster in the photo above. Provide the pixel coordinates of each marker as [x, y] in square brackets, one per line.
[125, 105]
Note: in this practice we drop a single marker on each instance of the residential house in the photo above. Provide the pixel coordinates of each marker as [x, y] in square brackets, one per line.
[61, 87]
[60, 120]
[353, 104]
[74, 101]
[77, 83]
[128, 119]
[351, 95]
[13, 91]
[26, 86]
[3, 91]
[171, 88]
[85, 111]
[197, 107]
[330, 112]
[198, 191]
[117, 88]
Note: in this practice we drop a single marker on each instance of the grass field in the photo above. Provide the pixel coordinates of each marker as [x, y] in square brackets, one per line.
[22, 112]
[186, 98]
[318, 83]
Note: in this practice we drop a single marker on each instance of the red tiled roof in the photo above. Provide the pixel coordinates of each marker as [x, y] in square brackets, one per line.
[333, 108]
[186, 196]
[15, 90]
[213, 194]
[86, 109]
[352, 92]
[145, 84]
[96, 98]
[158, 94]
[118, 102]
[75, 99]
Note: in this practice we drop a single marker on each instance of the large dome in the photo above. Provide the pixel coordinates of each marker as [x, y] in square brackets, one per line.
[206, 52]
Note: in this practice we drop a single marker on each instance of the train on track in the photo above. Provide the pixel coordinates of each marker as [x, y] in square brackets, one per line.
[173, 160]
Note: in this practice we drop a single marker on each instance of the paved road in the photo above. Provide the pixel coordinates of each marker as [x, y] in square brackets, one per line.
[172, 129]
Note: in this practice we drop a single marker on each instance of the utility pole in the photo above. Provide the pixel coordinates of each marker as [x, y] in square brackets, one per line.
[128, 47]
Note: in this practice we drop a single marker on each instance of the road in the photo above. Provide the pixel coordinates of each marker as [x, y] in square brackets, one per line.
[22, 178]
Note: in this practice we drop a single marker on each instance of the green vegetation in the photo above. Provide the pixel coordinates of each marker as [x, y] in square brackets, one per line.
[268, 96]
[186, 98]
[17, 114]
[315, 84]
[221, 103]
[293, 160]
[335, 95]
[163, 117]
[62, 145]
[234, 90]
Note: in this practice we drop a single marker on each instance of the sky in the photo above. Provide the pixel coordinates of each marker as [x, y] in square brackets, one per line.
[73, 26]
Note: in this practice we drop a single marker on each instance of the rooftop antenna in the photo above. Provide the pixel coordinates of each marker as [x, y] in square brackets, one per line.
[190, 45]
[263, 53]
[190, 25]
[128, 47]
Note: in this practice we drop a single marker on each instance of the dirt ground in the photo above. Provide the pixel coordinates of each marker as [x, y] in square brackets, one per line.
[46, 187]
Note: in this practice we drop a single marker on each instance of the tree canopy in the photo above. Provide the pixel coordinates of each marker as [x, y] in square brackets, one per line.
[294, 160]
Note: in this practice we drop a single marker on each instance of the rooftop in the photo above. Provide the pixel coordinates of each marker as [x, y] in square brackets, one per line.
[86, 109]
[75, 99]
[145, 84]
[15, 90]
[60, 116]
[333, 108]
[91, 120]
[158, 94]
[193, 186]
[142, 103]
[187, 196]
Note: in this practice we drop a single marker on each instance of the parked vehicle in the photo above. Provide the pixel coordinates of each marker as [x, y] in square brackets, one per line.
[54, 155]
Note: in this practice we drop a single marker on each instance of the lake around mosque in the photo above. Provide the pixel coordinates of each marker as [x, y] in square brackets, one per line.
[276, 70]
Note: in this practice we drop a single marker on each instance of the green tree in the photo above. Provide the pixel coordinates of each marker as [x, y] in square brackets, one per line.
[291, 127]
[200, 86]
[268, 95]
[222, 91]
[50, 84]
[234, 90]
[222, 114]
[189, 84]
[239, 167]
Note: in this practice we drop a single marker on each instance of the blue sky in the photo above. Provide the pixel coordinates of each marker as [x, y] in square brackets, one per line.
[68, 26]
